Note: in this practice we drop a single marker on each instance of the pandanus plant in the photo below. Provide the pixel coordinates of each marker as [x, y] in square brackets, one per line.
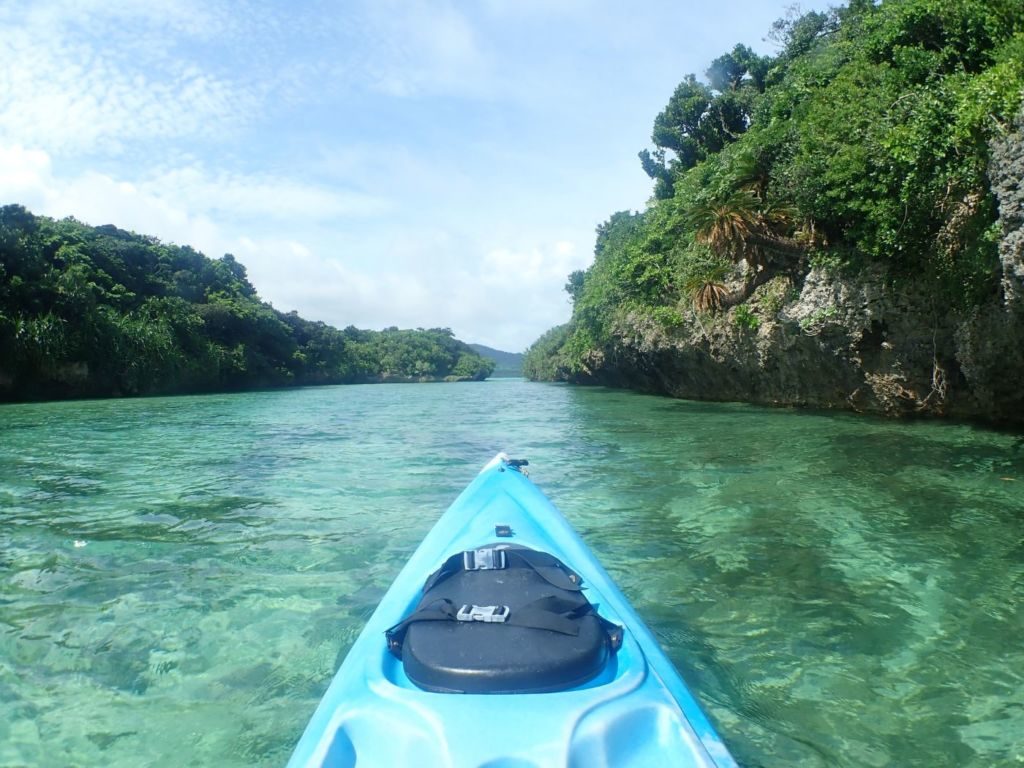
[709, 296]
[705, 282]
[742, 227]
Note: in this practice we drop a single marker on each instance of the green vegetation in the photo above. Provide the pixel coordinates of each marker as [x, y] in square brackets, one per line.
[544, 360]
[744, 317]
[863, 143]
[506, 364]
[96, 311]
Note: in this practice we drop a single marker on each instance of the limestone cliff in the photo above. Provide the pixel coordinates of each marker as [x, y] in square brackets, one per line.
[823, 339]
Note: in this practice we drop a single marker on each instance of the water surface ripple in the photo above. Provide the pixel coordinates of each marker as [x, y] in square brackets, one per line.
[179, 577]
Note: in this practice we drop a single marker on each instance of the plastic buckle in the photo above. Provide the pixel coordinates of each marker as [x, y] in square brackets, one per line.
[489, 614]
[483, 559]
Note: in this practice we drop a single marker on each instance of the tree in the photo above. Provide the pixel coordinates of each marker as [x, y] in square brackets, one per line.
[700, 120]
[678, 129]
[574, 285]
[740, 66]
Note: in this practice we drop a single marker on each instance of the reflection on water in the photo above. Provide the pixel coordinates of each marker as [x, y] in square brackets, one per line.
[179, 577]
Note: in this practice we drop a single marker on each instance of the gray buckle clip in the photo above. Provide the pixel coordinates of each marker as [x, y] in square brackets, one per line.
[489, 614]
[483, 559]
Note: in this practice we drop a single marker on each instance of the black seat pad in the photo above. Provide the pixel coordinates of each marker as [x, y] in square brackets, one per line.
[475, 657]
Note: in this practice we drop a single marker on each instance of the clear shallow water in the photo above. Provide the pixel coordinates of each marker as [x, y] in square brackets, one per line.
[838, 591]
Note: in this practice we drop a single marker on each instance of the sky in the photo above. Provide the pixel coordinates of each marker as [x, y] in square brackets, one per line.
[411, 163]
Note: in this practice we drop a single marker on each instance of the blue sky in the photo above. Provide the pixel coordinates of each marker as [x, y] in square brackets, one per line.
[421, 163]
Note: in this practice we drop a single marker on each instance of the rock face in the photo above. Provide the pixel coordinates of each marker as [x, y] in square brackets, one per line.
[991, 343]
[833, 341]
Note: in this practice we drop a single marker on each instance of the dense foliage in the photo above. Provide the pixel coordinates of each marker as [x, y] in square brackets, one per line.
[544, 360]
[863, 143]
[96, 311]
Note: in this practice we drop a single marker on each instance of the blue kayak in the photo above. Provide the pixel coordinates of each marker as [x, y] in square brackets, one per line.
[503, 643]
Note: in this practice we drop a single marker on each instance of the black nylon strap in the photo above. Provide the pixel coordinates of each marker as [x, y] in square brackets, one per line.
[552, 613]
[548, 567]
[439, 610]
[452, 565]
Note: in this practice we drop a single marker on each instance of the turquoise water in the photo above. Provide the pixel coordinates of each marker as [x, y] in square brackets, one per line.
[179, 577]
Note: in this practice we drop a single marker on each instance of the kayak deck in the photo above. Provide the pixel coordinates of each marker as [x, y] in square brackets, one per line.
[637, 711]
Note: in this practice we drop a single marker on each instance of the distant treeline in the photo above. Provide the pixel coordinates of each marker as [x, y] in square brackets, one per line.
[97, 311]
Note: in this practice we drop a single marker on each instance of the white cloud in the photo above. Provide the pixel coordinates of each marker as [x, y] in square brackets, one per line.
[542, 8]
[505, 295]
[66, 88]
[238, 196]
[506, 300]
[124, 18]
[516, 295]
[27, 177]
[22, 174]
[422, 46]
[536, 265]
[177, 204]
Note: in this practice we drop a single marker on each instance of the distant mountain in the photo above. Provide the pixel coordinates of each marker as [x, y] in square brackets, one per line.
[508, 364]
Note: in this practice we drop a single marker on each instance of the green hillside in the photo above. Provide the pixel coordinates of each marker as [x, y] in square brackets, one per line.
[97, 311]
[507, 364]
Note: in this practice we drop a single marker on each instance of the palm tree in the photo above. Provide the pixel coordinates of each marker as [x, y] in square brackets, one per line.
[741, 224]
[706, 286]
[742, 227]
[710, 297]
[748, 175]
[726, 225]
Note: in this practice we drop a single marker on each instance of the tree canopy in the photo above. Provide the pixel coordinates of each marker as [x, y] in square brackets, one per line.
[97, 311]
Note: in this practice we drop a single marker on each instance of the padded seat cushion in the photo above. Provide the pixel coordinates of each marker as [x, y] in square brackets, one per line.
[477, 657]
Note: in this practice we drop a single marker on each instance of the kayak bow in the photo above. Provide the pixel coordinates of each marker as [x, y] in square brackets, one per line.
[623, 705]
